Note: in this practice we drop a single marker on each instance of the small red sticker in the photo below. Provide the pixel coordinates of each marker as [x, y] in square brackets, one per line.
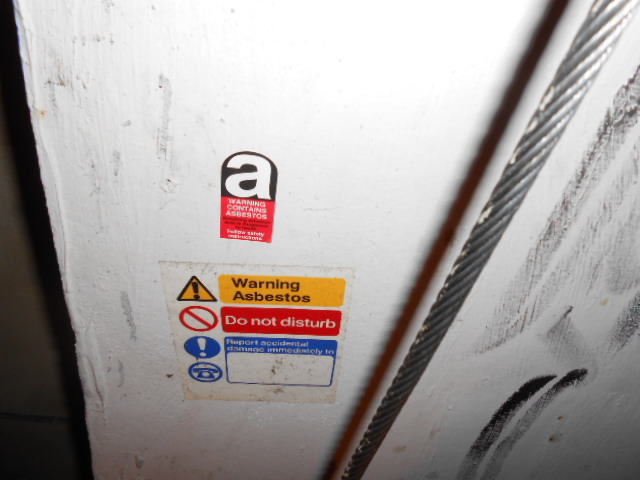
[289, 321]
[199, 319]
[248, 197]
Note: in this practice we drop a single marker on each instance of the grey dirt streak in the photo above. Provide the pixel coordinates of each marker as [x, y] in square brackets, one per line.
[117, 162]
[163, 131]
[121, 373]
[626, 326]
[535, 284]
[128, 314]
[615, 268]
[565, 340]
[567, 343]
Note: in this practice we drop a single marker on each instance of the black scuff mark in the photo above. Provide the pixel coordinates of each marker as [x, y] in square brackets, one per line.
[504, 448]
[500, 419]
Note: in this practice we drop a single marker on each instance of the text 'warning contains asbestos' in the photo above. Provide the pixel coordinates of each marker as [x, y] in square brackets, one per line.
[248, 197]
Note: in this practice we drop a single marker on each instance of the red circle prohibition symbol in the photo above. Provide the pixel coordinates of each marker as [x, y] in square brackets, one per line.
[200, 320]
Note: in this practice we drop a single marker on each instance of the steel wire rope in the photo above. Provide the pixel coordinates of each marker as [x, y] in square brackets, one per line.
[590, 48]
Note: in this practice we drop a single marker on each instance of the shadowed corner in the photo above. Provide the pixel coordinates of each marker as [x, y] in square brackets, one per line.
[33, 205]
[450, 224]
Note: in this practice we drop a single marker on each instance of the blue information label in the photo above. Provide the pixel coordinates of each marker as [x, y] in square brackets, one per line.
[202, 347]
[290, 346]
[280, 361]
[205, 372]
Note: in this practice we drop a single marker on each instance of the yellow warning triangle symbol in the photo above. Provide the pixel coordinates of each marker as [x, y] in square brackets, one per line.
[195, 291]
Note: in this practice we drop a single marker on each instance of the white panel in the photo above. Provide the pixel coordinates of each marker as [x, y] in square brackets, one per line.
[298, 369]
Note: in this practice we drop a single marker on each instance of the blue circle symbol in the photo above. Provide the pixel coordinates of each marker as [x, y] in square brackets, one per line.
[202, 347]
[205, 372]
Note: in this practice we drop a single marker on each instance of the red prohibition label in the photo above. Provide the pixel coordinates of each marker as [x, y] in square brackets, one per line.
[199, 319]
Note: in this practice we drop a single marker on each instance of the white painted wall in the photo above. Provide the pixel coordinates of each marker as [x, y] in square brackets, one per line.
[371, 111]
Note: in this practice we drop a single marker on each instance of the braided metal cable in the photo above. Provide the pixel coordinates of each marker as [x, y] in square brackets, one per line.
[590, 48]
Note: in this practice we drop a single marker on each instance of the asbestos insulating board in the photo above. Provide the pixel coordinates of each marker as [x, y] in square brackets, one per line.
[243, 194]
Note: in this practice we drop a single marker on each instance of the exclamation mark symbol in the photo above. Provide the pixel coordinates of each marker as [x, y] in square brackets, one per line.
[202, 343]
[196, 290]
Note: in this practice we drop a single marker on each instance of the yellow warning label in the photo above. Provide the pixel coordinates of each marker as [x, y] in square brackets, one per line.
[195, 291]
[271, 290]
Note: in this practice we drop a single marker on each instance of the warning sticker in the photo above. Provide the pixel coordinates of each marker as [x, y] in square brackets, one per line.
[205, 372]
[275, 333]
[279, 321]
[243, 219]
[202, 347]
[248, 197]
[195, 291]
[199, 319]
[281, 290]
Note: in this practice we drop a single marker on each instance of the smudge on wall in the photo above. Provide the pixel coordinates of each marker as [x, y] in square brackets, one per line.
[492, 431]
[537, 282]
[500, 419]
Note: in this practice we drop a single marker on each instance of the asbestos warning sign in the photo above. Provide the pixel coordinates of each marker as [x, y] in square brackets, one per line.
[276, 332]
[281, 290]
[248, 197]
[195, 291]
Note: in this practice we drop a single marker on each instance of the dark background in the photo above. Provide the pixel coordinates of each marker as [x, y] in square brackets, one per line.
[42, 427]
